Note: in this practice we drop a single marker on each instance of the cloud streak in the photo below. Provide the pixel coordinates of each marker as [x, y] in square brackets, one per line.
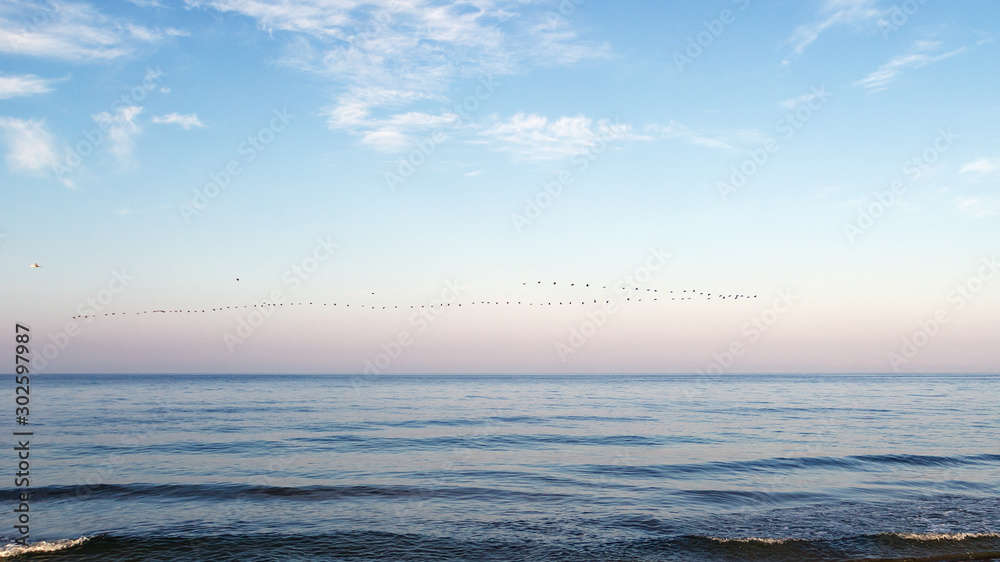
[674, 130]
[121, 130]
[29, 146]
[980, 167]
[23, 85]
[184, 121]
[534, 137]
[979, 207]
[834, 13]
[68, 31]
[880, 79]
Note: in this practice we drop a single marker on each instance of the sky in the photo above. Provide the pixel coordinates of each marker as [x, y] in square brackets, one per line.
[836, 163]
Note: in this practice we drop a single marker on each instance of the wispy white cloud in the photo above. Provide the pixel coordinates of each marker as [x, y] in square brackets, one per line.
[29, 146]
[534, 137]
[126, 211]
[392, 57]
[921, 56]
[400, 131]
[853, 202]
[817, 93]
[833, 13]
[674, 130]
[121, 130]
[147, 3]
[143, 33]
[70, 31]
[186, 121]
[353, 111]
[552, 41]
[23, 85]
[308, 16]
[979, 207]
[980, 167]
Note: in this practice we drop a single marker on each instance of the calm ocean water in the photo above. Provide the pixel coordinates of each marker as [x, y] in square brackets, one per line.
[777, 467]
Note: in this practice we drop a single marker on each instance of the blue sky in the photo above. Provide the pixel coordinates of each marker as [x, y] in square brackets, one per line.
[839, 159]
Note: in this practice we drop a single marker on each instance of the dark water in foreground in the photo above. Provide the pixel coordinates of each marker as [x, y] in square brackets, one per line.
[511, 468]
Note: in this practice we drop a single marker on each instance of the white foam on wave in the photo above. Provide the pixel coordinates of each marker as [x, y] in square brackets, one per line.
[11, 549]
[946, 536]
[759, 540]
[908, 536]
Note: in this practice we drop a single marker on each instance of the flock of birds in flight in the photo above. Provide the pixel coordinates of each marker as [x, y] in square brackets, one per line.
[637, 294]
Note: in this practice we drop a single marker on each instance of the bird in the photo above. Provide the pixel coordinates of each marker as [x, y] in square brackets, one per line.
[34, 265]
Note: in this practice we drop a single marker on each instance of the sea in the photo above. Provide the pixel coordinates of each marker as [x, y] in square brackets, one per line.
[507, 467]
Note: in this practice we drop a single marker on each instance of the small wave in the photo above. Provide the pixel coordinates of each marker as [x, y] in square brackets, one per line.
[928, 460]
[748, 497]
[855, 463]
[905, 536]
[946, 536]
[756, 540]
[11, 549]
[237, 492]
[416, 547]
[884, 547]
